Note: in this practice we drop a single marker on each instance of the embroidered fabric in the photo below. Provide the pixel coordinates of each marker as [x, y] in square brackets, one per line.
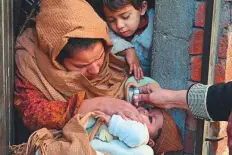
[197, 96]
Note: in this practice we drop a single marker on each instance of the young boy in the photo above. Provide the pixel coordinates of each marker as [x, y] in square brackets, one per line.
[133, 22]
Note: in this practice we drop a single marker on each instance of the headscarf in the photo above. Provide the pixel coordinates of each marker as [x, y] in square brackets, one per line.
[38, 48]
[169, 139]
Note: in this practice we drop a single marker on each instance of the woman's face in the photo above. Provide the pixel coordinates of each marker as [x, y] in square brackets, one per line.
[87, 61]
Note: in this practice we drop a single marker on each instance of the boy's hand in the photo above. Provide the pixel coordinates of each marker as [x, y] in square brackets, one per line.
[134, 63]
[103, 116]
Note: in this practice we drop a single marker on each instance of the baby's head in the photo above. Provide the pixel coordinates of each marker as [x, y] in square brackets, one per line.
[164, 133]
[124, 16]
[153, 119]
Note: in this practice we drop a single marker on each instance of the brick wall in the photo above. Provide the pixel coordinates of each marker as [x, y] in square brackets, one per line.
[223, 69]
[196, 42]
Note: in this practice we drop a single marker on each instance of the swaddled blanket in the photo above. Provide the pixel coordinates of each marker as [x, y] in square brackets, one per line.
[121, 136]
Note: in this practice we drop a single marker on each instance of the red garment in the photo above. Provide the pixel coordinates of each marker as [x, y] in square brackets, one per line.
[38, 112]
[141, 28]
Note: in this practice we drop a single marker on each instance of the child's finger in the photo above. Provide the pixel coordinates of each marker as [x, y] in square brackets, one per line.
[135, 73]
[98, 116]
[131, 68]
[141, 72]
[103, 117]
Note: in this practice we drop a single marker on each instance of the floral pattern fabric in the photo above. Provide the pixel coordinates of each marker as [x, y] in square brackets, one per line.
[38, 112]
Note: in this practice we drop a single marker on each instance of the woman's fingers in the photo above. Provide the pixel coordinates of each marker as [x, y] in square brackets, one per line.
[122, 115]
[141, 97]
[128, 111]
[146, 89]
[132, 113]
[135, 117]
[139, 117]
[125, 109]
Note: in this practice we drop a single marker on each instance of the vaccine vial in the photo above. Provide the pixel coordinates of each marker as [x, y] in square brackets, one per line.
[136, 91]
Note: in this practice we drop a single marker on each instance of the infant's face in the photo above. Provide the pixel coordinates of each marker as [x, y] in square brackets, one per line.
[153, 119]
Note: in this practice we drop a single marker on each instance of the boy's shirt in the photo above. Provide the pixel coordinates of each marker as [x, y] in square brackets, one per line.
[142, 44]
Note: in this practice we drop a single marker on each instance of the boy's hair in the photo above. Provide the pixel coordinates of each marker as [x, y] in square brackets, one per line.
[80, 43]
[117, 4]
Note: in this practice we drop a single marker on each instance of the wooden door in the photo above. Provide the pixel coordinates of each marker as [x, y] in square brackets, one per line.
[6, 74]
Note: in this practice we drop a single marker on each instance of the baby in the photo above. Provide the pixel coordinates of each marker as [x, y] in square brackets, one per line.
[159, 132]
[119, 136]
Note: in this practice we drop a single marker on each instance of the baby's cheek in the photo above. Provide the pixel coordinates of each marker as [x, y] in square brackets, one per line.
[146, 120]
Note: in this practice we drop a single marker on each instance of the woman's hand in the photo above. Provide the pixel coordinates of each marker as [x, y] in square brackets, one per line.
[162, 98]
[103, 116]
[110, 106]
[151, 95]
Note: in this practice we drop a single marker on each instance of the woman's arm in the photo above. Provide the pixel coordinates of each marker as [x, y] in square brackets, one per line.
[162, 98]
[211, 102]
[36, 111]
[110, 106]
[204, 101]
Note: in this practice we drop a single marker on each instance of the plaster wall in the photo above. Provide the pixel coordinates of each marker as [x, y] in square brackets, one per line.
[170, 58]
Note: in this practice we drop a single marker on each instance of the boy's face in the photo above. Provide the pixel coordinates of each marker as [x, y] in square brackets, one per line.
[153, 119]
[87, 61]
[124, 21]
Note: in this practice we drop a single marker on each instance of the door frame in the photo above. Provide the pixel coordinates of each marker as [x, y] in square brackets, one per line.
[6, 75]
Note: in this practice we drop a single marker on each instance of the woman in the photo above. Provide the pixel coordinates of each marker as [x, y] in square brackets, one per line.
[52, 86]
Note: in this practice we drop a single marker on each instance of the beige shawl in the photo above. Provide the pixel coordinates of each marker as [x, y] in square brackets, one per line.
[71, 140]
